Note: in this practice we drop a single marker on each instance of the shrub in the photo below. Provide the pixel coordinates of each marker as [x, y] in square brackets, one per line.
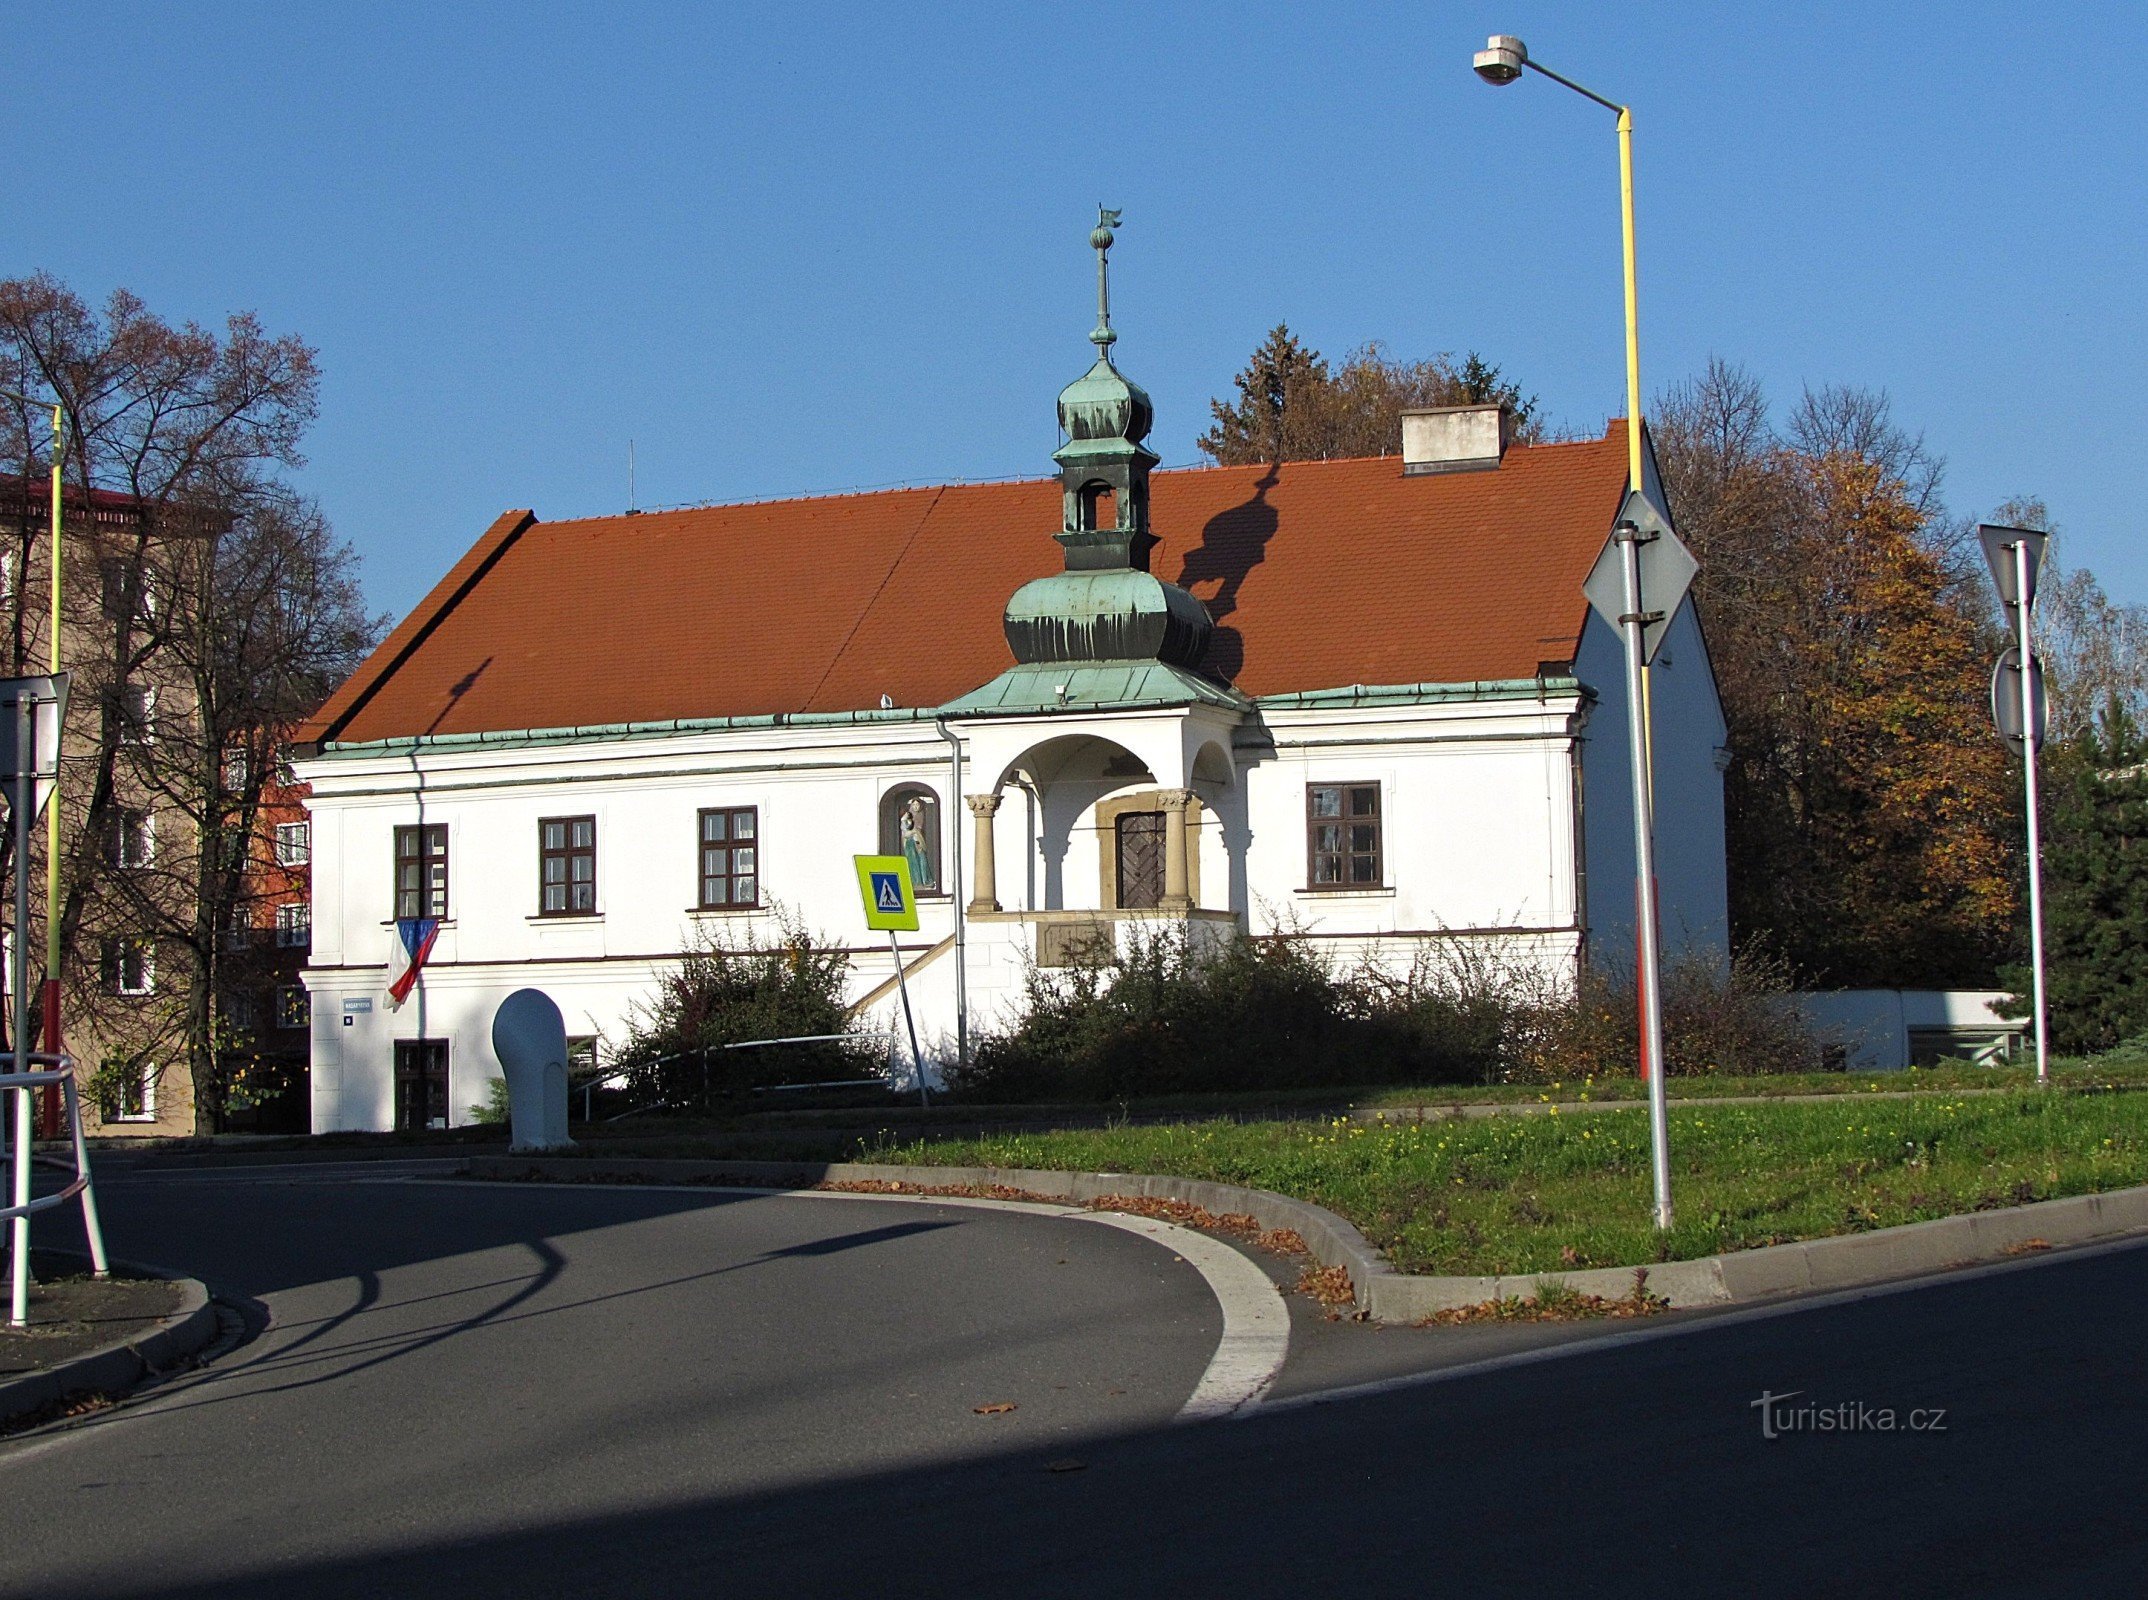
[1169, 1016]
[729, 989]
[1738, 1020]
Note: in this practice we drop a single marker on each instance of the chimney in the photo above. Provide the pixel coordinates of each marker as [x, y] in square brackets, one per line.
[1455, 438]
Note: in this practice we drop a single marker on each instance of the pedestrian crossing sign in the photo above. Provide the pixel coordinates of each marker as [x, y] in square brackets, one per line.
[884, 886]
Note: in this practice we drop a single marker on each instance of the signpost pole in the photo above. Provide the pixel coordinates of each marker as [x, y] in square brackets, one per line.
[25, 776]
[1629, 539]
[2030, 733]
[902, 985]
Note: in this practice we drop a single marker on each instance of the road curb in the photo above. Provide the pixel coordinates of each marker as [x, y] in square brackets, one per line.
[119, 1366]
[1838, 1262]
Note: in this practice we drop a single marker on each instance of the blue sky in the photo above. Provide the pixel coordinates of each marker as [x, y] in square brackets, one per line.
[791, 249]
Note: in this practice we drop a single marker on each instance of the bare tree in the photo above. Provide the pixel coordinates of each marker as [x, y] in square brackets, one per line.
[206, 602]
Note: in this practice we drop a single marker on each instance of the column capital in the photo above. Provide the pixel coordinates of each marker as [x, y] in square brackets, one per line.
[983, 805]
[1175, 799]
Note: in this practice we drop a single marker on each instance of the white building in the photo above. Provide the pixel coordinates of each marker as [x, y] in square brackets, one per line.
[1363, 698]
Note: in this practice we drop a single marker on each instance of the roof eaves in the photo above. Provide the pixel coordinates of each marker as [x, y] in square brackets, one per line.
[511, 738]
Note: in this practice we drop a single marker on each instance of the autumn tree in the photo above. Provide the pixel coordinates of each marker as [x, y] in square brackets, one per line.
[208, 607]
[1871, 819]
[1292, 406]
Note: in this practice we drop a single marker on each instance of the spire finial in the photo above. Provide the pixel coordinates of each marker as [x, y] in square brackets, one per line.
[1101, 239]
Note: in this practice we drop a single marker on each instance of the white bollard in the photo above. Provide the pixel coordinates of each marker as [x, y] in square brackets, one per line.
[530, 1038]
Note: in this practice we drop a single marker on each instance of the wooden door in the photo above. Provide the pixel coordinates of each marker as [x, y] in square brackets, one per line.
[1141, 859]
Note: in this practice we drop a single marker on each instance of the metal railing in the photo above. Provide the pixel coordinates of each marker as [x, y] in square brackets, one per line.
[58, 1072]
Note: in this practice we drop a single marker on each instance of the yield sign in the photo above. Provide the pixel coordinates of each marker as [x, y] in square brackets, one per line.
[1999, 546]
[1667, 569]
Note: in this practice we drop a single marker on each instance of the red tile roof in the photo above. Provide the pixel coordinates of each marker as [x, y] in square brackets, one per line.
[1320, 574]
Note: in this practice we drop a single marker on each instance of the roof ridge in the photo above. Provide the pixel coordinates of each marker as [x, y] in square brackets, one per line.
[941, 485]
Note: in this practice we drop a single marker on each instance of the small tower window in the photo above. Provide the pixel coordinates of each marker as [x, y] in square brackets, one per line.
[1099, 507]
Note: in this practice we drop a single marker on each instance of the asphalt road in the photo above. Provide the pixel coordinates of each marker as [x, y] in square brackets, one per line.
[475, 1391]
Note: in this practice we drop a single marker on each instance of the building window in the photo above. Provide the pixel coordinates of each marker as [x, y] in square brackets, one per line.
[128, 966]
[1342, 836]
[236, 765]
[137, 703]
[239, 931]
[421, 871]
[294, 843]
[294, 1007]
[567, 866]
[133, 838]
[239, 1012]
[910, 828]
[115, 577]
[130, 1091]
[294, 924]
[234, 849]
[730, 858]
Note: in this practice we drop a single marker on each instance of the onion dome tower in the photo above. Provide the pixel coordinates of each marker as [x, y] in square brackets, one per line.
[1106, 606]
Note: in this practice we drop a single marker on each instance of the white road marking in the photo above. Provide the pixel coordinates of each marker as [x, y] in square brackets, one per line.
[1256, 1323]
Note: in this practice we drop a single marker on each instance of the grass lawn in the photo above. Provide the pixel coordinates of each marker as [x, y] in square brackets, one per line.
[1528, 1194]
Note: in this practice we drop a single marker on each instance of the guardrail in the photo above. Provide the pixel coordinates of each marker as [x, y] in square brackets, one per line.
[58, 1072]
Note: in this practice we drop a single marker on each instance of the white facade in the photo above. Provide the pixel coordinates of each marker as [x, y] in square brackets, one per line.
[1503, 814]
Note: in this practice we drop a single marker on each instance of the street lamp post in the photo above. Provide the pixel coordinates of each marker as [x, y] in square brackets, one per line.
[1501, 62]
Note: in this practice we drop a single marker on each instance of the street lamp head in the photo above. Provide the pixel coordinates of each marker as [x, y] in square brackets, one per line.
[1501, 60]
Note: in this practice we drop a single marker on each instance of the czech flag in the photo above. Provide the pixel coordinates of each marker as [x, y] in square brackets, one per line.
[417, 935]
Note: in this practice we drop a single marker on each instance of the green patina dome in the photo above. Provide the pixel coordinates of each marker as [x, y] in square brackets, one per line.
[1104, 404]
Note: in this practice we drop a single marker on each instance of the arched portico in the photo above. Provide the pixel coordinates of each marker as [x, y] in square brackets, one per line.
[1112, 809]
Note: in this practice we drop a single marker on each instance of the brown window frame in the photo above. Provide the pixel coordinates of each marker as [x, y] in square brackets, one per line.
[423, 836]
[1345, 818]
[566, 853]
[729, 846]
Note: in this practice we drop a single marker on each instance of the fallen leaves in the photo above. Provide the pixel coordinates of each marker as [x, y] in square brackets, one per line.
[1330, 1286]
[998, 1408]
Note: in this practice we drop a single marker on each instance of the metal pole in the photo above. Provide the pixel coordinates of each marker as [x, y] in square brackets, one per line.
[19, 961]
[52, 820]
[90, 1224]
[1644, 854]
[902, 985]
[2028, 772]
[954, 889]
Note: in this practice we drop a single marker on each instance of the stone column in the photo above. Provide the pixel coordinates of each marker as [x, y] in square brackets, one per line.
[1175, 875]
[984, 887]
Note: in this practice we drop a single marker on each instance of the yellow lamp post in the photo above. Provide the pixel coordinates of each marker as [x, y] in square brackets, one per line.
[1501, 62]
[50, 994]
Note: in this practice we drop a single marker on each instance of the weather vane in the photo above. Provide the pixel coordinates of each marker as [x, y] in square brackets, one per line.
[1101, 239]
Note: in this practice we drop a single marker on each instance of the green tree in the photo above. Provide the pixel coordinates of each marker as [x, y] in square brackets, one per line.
[1292, 406]
[2096, 886]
